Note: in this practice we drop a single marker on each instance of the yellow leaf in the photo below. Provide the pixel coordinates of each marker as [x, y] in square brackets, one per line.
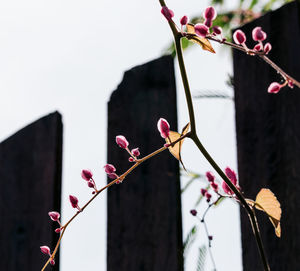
[267, 202]
[176, 149]
[203, 42]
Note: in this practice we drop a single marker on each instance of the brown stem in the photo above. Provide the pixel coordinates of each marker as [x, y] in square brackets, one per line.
[202, 149]
[262, 55]
[120, 178]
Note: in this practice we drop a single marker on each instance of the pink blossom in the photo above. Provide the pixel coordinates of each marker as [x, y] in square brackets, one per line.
[210, 176]
[239, 37]
[184, 20]
[193, 212]
[112, 176]
[267, 48]
[208, 23]
[217, 30]
[258, 34]
[203, 191]
[91, 184]
[86, 174]
[130, 159]
[231, 175]
[73, 201]
[45, 250]
[201, 30]
[208, 196]
[58, 230]
[135, 152]
[52, 262]
[210, 13]
[163, 127]
[214, 186]
[290, 83]
[258, 47]
[54, 215]
[168, 13]
[109, 168]
[226, 188]
[121, 141]
[274, 87]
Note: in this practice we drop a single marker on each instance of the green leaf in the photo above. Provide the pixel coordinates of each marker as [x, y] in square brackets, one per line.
[253, 3]
[201, 258]
[189, 240]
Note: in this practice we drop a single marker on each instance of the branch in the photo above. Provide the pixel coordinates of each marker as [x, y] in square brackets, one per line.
[177, 36]
[120, 178]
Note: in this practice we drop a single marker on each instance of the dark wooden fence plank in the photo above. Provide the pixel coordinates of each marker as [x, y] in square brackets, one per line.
[144, 212]
[30, 177]
[268, 133]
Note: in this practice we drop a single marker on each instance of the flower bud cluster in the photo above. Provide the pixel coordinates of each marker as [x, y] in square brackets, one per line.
[258, 35]
[87, 175]
[206, 28]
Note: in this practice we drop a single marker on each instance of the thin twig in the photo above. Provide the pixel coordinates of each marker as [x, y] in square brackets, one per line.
[120, 178]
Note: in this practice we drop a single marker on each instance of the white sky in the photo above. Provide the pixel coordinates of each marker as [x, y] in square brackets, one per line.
[69, 56]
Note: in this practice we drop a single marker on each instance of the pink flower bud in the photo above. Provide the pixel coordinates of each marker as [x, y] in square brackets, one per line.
[135, 152]
[112, 176]
[208, 23]
[217, 30]
[163, 127]
[201, 30]
[52, 262]
[274, 87]
[258, 47]
[203, 191]
[121, 141]
[58, 230]
[208, 196]
[258, 34]
[54, 215]
[210, 177]
[184, 20]
[267, 48]
[226, 188]
[193, 212]
[290, 83]
[109, 168]
[231, 175]
[210, 13]
[86, 174]
[214, 186]
[130, 159]
[91, 184]
[239, 37]
[168, 13]
[45, 250]
[73, 201]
